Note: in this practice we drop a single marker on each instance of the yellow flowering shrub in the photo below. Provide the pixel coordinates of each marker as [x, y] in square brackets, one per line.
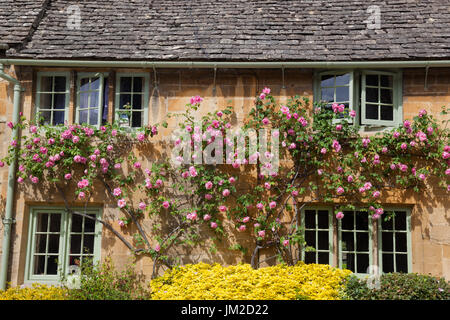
[36, 292]
[241, 282]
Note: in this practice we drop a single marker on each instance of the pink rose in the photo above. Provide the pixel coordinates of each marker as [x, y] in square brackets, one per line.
[226, 193]
[206, 217]
[340, 190]
[242, 228]
[272, 204]
[222, 208]
[285, 243]
[117, 192]
[157, 248]
[208, 185]
[121, 223]
[166, 204]
[261, 233]
[213, 225]
[33, 129]
[339, 215]
[350, 178]
[121, 203]
[67, 176]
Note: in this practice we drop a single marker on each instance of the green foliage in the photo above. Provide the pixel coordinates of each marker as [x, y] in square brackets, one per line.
[397, 286]
[104, 282]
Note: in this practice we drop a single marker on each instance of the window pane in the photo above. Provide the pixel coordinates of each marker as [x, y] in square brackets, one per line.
[386, 96]
[39, 265]
[75, 243]
[83, 116]
[58, 117]
[42, 222]
[84, 84]
[88, 244]
[342, 94]
[372, 111]
[136, 119]
[327, 81]
[347, 221]
[46, 115]
[310, 216]
[362, 241]
[89, 225]
[93, 116]
[45, 101]
[362, 263]
[124, 100]
[41, 243]
[60, 84]
[328, 94]
[95, 83]
[53, 243]
[387, 241]
[46, 84]
[386, 224]
[372, 80]
[137, 84]
[386, 81]
[93, 102]
[349, 261]
[362, 221]
[77, 221]
[310, 238]
[348, 241]
[371, 94]
[400, 220]
[59, 101]
[322, 217]
[401, 263]
[74, 260]
[310, 257]
[55, 222]
[400, 242]
[324, 257]
[125, 84]
[137, 101]
[387, 113]
[343, 79]
[323, 240]
[84, 96]
[388, 262]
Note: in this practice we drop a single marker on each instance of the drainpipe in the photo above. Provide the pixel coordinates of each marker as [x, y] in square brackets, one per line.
[8, 219]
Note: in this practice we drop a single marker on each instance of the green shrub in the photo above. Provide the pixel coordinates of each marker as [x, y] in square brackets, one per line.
[104, 282]
[397, 286]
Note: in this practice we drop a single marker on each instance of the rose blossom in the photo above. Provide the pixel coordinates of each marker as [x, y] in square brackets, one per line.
[339, 215]
[272, 204]
[261, 233]
[226, 193]
[213, 225]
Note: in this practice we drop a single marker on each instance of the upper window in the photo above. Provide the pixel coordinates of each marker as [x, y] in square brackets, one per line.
[60, 242]
[52, 97]
[92, 99]
[374, 95]
[131, 103]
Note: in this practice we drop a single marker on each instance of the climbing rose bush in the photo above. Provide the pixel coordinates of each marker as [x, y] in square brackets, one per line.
[323, 158]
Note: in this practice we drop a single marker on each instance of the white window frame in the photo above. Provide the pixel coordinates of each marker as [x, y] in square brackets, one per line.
[64, 242]
[39, 76]
[396, 99]
[82, 75]
[145, 93]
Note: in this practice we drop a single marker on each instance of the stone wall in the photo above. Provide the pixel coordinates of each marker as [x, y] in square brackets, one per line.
[171, 89]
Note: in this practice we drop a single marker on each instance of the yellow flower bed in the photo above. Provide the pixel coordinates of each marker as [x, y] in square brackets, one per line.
[36, 292]
[214, 282]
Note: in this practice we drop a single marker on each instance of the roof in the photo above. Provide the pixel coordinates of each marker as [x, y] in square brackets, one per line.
[232, 30]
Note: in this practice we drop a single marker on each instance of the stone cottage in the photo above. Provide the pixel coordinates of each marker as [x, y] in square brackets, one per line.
[384, 59]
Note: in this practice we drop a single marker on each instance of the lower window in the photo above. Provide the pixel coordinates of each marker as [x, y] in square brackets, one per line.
[358, 241]
[59, 242]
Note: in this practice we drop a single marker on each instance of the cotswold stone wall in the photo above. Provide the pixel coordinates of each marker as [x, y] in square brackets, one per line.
[170, 90]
